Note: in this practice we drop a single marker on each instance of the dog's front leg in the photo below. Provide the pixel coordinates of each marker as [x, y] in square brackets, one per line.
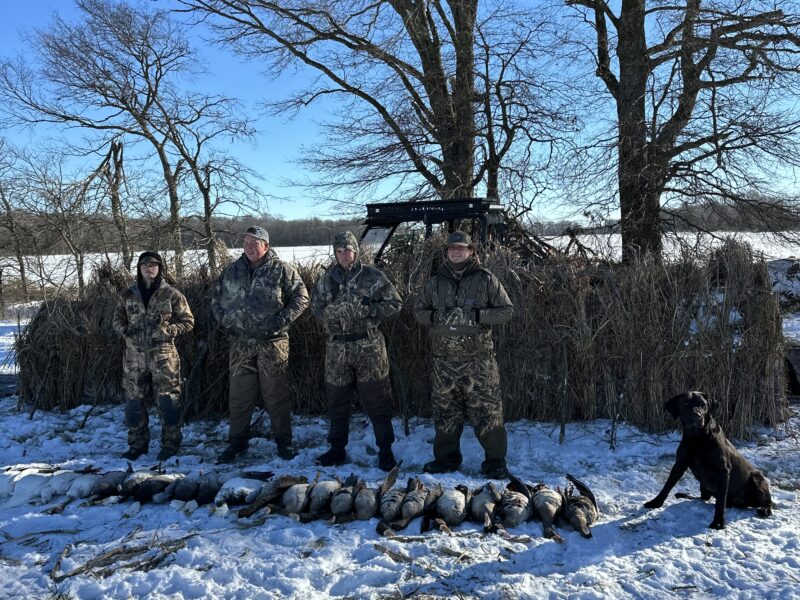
[678, 469]
[722, 498]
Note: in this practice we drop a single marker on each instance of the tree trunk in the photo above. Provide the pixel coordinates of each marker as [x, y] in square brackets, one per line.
[114, 175]
[205, 188]
[638, 195]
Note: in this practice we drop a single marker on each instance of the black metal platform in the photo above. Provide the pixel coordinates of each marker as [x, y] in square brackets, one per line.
[487, 212]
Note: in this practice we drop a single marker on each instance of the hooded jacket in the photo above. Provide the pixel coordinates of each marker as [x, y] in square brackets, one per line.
[166, 316]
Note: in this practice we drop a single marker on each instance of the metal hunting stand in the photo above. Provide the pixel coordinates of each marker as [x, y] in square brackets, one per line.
[487, 215]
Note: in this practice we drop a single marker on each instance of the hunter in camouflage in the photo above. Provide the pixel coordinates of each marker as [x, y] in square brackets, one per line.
[460, 304]
[350, 299]
[150, 315]
[255, 300]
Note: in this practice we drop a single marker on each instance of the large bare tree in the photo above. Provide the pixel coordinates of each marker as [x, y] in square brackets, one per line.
[120, 71]
[705, 93]
[429, 98]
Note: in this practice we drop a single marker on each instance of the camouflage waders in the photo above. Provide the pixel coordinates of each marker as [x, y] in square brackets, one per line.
[460, 304]
[350, 303]
[358, 365]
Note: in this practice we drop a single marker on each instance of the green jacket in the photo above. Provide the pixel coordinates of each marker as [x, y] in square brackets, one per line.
[461, 308]
[353, 300]
[258, 304]
[167, 315]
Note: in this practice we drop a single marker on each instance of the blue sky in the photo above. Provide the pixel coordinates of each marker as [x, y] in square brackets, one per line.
[277, 143]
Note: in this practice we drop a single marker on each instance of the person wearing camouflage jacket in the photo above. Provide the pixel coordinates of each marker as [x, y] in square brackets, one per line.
[460, 304]
[254, 301]
[350, 299]
[149, 316]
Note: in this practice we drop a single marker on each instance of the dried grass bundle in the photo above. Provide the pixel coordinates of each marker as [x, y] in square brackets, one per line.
[587, 340]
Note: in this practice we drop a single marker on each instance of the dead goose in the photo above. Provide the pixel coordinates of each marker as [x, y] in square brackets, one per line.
[429, 508]
[82, 486]
[484, 499]
[237, 490]
[186, 488]
[452, 505]
[108, 484]
[57, 485]
[366, 500]
[319, 505]
[342, 500]
[391, 502]
[579, 511]
[547, 504]
[515, 506]
[413, 504]
[297, 498]
[132, 482]
[154, 488]
[208, 486]
[271, 492]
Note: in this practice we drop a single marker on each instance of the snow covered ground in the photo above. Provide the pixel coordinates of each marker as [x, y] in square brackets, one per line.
[634, 553]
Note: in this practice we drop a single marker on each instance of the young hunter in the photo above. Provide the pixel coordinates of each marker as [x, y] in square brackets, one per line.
[255, 300]
[460, 303]
[149, 316]
[350, 300]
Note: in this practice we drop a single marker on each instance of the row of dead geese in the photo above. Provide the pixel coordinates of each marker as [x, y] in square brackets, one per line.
[334, 500]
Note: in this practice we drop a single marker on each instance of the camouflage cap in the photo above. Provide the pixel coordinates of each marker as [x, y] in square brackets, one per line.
[258, 233]
[345, 239]
[459, 238]
[149, 257]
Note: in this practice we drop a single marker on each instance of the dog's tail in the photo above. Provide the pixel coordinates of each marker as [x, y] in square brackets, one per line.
[583, 489]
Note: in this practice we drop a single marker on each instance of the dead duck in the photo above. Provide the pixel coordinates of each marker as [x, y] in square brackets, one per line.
[547, 504]
[270, 493]
[367, 501]
[579, 511]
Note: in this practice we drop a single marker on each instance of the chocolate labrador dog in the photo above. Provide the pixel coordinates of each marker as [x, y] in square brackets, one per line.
[721, 470]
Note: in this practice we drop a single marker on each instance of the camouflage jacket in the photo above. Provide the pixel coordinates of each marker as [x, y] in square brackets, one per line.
[260, 304]
[167, 315]
[354, 300]
[462, 309]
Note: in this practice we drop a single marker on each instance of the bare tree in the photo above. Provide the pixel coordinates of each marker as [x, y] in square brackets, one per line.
[703, 95]
[430, 102]
[118, 72]
[10, 212]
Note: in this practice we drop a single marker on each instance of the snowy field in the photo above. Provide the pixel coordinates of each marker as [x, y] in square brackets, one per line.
[59, 270]
[52, 546]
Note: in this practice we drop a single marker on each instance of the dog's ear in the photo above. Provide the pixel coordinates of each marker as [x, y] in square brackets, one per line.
[713, 405]
[673, 405]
